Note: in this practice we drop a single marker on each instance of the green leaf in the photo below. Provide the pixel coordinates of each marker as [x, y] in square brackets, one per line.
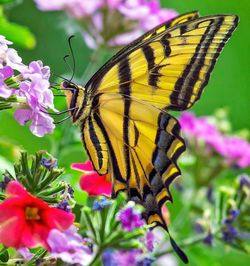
[18, 34]
[2, 2]
[4, 255]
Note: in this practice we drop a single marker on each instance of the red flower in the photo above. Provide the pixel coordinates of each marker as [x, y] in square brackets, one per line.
[25, 221]
[91, 182]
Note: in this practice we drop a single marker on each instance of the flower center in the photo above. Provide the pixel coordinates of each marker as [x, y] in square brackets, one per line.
[31, 213]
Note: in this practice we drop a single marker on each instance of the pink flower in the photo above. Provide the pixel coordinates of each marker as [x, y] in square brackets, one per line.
[91, 182]
[96, 17]
[25, 221]
[76, 8]
[233, 148]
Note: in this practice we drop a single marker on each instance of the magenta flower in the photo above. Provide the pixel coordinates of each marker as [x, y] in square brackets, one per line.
[233, 148]
[69, 246]
[130, 219]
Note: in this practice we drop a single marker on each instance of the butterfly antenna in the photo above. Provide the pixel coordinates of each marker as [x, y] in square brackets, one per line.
[58, 76]
[68, 65]
[73, 57]
[64, 119]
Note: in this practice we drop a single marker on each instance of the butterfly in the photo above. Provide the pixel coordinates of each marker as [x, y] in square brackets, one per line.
[123, 110]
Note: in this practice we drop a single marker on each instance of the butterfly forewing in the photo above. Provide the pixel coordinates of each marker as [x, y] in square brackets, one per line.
[171, 69]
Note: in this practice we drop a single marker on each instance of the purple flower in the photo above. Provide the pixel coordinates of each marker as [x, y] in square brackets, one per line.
[125, 38]
[100, 204]
[232, 216]
[76, 8]
[50, 4]
[157, 15]
[64, 205]
[4, 182]
[208, 240]
[32, 90]
[107, 258]
[149, 241]
[69, 246]
[49, 163]
[132, 18]
[9, 56]
[5, 73]
[229, 232]
[130, 219]
[35, 89]
[25, 253]
[127, 257]
[145, 262]
[135, 9]
[244, 181]
[4, 44]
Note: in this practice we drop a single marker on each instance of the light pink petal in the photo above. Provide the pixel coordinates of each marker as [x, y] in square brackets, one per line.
[23, 116]
[125, 38]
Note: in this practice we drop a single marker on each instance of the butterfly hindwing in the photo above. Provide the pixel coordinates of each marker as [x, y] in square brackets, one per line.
[143, 148]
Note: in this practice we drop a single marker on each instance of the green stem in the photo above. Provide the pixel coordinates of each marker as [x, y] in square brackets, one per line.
[97, 256]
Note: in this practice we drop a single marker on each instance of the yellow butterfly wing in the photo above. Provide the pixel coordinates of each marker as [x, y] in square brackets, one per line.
[170, 69]
[128, 133]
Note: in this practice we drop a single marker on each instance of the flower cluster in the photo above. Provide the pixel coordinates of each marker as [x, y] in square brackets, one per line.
[30, 85]
[112, 22]
[234, 149]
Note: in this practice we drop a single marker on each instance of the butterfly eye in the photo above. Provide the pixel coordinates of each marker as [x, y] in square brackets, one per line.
[66, 84]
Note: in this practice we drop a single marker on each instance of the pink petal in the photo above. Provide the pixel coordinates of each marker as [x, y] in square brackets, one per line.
[96, 185]
[23, 116]
[58, 219]
[14, 188]
[83, 167]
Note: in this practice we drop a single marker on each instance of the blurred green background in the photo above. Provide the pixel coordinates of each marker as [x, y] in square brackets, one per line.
[228, 87]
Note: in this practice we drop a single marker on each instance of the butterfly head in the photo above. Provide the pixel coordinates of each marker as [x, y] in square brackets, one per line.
[75, 95]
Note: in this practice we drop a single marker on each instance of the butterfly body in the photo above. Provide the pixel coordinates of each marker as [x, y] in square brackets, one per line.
[123, 110]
